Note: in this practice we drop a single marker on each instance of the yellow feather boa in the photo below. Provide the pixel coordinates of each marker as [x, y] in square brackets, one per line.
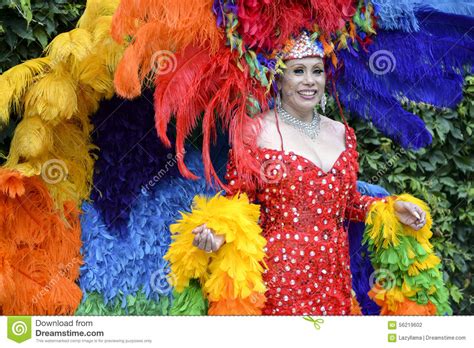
[231, 278]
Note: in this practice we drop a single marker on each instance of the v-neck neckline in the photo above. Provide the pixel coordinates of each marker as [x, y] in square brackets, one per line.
[292, 153]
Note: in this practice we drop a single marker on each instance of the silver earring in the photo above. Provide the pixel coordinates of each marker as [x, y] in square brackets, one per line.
[324, 100]
[278, 100]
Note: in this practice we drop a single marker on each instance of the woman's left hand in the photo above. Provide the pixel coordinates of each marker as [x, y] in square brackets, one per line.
[410, 214]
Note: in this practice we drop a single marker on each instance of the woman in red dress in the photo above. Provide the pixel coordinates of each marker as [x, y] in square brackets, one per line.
[307, 187]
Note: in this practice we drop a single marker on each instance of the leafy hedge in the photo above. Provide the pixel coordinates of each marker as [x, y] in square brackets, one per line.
[26, 27]
[441, 175]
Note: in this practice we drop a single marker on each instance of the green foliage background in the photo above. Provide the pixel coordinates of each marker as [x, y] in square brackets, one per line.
[442, 174]
[26, 27]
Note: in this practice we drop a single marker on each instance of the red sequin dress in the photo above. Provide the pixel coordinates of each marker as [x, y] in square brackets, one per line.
[302, 213]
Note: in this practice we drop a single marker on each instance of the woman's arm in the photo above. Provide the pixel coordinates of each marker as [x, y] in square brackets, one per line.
[358, 204]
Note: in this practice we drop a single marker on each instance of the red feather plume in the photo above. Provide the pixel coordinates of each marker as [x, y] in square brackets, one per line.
[331, 15]
[268, 24]
[214, 87]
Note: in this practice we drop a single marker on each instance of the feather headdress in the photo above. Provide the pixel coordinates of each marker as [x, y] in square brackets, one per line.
[224, 72]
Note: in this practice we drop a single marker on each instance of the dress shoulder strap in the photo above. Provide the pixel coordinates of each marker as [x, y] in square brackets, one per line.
[341, 112]
[278, 129]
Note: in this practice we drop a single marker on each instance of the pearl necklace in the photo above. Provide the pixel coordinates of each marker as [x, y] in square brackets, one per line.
[309, 129]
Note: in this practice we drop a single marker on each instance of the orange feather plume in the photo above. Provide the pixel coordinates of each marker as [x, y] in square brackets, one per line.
[157, 28]
[39, 251]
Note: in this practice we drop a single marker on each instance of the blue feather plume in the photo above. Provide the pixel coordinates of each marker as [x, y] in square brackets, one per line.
[402, 14]
[396, 15]
[424, 66]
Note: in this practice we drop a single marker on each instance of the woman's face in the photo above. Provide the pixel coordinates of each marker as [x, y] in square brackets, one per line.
[302, 84]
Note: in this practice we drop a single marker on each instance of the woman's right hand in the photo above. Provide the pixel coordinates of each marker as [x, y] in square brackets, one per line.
[206, 239]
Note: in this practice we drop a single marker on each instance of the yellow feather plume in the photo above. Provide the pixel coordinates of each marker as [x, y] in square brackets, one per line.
[70, 47]
[15, 81]
[32, 138]
[186, 261]
[58, 94]
[386, 226]
[53, 98]
[96, 9]
[96, 76]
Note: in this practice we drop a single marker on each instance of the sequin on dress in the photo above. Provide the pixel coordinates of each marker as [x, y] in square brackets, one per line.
[302, 213]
